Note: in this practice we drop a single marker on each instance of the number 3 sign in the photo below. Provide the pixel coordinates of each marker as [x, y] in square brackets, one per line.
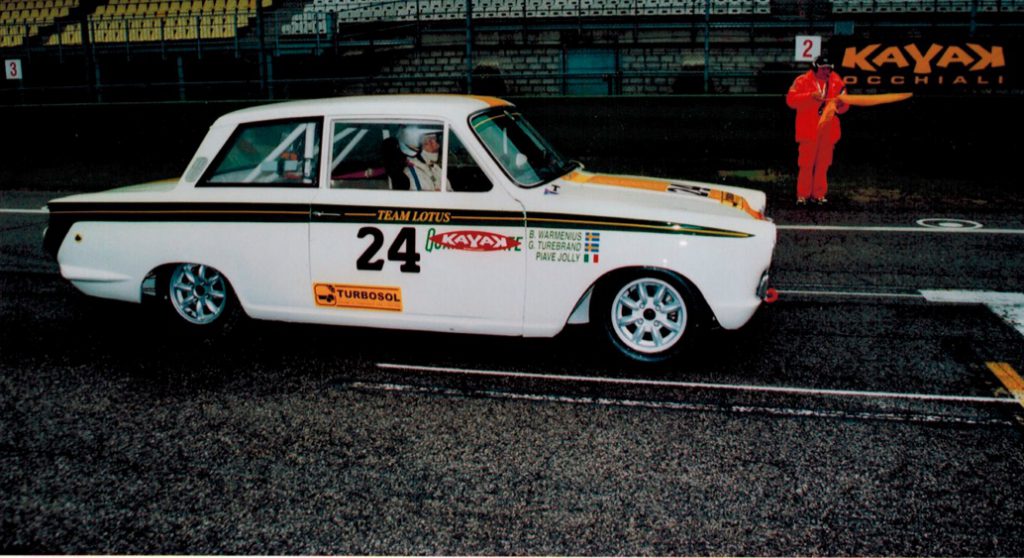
[13, 69]
[808, 47]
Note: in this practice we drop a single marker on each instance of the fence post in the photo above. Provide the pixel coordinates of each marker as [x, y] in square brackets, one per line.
[707, 46]
[469, 46]
[181, 79]
[262, 48]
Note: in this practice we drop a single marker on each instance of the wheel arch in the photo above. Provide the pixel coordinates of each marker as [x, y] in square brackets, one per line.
[581, 312]
[155, 282]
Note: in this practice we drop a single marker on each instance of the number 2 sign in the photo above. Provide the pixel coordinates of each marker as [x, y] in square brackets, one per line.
[808, 47]
[12, 68]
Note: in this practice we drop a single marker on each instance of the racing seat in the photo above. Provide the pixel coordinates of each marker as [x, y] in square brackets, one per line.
[395, 163]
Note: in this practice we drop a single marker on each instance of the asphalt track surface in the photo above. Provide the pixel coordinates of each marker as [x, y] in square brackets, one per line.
[859, 415]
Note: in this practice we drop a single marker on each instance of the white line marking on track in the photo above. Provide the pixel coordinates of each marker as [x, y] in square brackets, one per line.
[681, 405]
[857, 294]
[43, 211]
[973, 297]
[891, 229]
[697, 385]
[1008, 306]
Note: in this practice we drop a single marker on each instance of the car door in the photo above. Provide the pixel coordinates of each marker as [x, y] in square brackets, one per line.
[248, 215]
[410, 232]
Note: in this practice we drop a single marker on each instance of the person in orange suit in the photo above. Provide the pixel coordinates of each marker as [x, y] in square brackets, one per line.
[809, 95]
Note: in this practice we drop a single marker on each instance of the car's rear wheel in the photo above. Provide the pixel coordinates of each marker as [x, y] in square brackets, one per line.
[645, 315]
[200, 295]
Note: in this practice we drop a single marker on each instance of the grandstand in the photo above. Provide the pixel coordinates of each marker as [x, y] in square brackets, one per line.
[315, 15]
[126, 20]
[58, 22]
[265, 48]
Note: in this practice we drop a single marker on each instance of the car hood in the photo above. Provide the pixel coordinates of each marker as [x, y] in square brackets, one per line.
[155, 187]
[701, 197]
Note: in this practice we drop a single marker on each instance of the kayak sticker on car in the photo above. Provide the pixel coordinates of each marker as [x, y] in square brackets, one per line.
[471, 241]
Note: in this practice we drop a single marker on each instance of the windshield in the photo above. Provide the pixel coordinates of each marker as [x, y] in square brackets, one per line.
[525, 156]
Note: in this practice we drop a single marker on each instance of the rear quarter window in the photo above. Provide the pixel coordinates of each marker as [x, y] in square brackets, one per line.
[277, 153]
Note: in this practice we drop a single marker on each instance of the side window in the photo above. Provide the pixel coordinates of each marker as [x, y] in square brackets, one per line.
[387, 156]
[281, 153]
[358, 155]
[464, 175]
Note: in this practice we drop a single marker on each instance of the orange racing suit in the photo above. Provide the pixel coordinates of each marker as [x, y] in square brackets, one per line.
[808, 96]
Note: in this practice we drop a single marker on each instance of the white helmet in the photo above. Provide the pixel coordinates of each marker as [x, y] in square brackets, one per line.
[410, 138]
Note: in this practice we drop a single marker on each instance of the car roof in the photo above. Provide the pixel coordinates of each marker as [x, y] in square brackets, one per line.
[436, 105]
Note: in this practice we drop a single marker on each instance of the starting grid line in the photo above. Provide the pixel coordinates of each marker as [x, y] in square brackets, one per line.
[42, 211]
[892, 229]
[678, 405]
[697, 385]
[1008, 306]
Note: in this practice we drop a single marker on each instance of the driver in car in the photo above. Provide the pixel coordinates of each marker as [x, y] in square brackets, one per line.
[422, 147]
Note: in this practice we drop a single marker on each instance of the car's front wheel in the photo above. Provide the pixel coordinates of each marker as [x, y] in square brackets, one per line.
[646, 315]
[200, 295]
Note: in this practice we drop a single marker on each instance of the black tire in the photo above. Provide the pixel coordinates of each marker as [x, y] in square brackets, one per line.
[646, 316]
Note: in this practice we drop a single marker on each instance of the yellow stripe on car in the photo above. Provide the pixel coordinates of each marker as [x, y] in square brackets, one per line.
[723, 197]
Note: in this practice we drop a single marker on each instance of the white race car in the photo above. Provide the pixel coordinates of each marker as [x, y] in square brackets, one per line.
[421, 212]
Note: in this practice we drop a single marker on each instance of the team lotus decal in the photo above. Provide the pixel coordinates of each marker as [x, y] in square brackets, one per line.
[475, 241]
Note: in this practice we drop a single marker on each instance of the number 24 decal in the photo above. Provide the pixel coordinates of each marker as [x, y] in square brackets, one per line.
[403, 249]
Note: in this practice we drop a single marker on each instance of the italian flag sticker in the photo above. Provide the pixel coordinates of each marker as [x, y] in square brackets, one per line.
[591, 247]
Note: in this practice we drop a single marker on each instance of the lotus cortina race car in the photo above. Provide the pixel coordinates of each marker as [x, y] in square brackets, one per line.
[440, 213]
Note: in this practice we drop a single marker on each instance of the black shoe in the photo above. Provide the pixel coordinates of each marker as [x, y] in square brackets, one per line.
[801, 201]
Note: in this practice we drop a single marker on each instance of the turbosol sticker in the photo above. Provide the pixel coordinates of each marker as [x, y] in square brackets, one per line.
[358, 296]
[474, 241]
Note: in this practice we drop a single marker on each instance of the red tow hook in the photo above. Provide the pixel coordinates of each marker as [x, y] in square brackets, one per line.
[770, 296]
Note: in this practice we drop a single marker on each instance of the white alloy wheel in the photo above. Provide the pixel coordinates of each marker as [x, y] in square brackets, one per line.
[648, 316]
[198, 293]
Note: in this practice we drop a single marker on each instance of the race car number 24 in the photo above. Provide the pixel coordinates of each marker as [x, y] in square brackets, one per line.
[402, 249]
